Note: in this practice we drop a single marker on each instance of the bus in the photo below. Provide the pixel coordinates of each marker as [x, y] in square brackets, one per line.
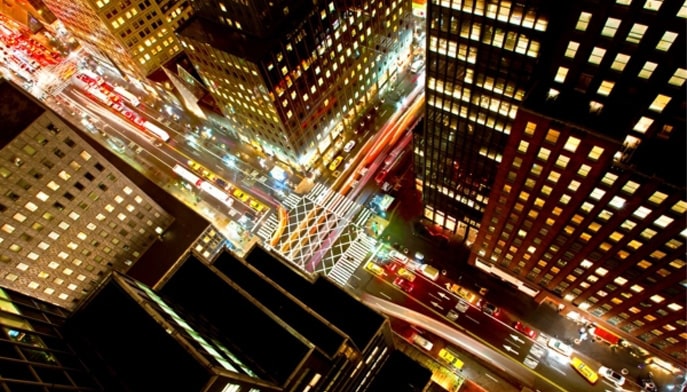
[126, 95]
[155, 130]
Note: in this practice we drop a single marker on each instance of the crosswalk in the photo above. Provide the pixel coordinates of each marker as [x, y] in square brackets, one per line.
[352, 258]
[268, 227]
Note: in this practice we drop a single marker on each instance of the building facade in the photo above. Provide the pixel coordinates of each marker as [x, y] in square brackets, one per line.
[588, 207]
[34, 356]
[137, 37]
[68, 215]
[293, 77]
[481, 56]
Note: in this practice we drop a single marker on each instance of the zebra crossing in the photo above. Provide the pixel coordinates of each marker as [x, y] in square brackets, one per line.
[349, 262]
[268, 227]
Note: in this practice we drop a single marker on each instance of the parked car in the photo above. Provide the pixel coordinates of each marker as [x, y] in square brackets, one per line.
[403, 284]
[560, 347]
[525, 329]
[462, 306]
[349, 146]
[611, 375]
[488, 308]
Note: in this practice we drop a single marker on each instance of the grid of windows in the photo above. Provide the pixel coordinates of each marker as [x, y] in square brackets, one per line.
[68, 222]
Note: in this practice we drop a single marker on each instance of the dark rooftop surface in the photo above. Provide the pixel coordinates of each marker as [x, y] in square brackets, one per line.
[254, 337]
[401, 374]
[145, 356]
[292, 313]
[351, 316]
[17, 111]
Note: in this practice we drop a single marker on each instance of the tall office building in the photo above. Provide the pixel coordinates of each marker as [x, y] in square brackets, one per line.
[34, 356]
[294, 76]
[588, 207]
[481, 56]
[137, 37]
[68, 215]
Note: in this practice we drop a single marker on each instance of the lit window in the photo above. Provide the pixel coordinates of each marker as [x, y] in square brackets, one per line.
[530, 128]
[620, 62]
[636, 33]
[562, 161]
[641, 212]
[630, 187]
[19, 217]
[597, 55]
[617, 202]
[606, 87]
[643, 124]
[8, 228]
[647, 70]
[597, 194]
[583, 21]
[659, 103]
[658, 197]
[595, 153]
[666, 41]
[584, 170]
[571, 144]
[561, 74]
[601, 271]
[572, 49]
[574, 184]
[657, 298]
[522, 147]
[663, 221]
[609, 179]
[544, 153]
[683, 10]
[611, 27]
[42, 196]
[22, 267]
[619, 280]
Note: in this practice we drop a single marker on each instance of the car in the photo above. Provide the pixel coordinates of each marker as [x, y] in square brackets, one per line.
[349, 146]
[257, 206]
[525, 329]
[560, 347]
[416, 66]
[116, 144]
[611, 375]
[374, 268]
[585, 370]
[421, 341]
[451, 358]
[405, 274]
[403, 284]
[462, 292]
[239, 194]
[452, 315]
[462, 306]
[392, 266]
[488, 308]
[335, 163]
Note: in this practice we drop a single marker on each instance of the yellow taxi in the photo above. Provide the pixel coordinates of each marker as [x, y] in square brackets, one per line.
[585, 370]
[374, 268]
[404, 273]
[239, 194]
[450, 358]
[463, 292]
[335, 163]
[257, 206]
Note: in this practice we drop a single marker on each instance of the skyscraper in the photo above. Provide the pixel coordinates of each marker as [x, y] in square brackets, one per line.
[588, 205]
[481, 56]
[68, 215]
[293, 76]
[135, 36]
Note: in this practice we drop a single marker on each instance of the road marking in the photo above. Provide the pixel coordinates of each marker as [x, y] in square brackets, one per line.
[558, 370]
[383, 294]
[477, 322]
[492, 377]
